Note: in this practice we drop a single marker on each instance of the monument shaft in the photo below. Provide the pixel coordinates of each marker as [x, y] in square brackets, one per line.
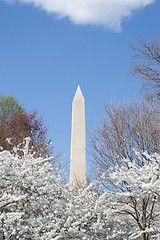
[78, 148]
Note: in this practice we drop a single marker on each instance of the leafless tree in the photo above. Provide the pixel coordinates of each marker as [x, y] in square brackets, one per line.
[146, 65]
[123, 129]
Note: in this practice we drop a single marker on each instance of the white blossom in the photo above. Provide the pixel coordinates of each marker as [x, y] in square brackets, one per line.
[35, 204]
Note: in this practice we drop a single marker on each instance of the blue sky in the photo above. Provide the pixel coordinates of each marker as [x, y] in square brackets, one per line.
[48, 47]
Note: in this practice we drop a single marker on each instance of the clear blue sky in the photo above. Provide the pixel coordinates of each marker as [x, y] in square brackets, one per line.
[48, 47]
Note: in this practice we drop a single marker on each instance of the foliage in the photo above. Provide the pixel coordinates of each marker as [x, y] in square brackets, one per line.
[8, 106]
[36, 205]
[146, 65]
[22, 125]
[16, 124]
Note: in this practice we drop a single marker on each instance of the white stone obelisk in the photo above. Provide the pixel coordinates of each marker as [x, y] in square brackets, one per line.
[78, 147]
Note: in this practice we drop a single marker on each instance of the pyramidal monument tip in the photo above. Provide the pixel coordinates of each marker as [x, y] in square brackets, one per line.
[78, 94]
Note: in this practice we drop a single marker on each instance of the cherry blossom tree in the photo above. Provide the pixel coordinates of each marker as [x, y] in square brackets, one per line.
[26, 194]
[35, 203]
[138, 194]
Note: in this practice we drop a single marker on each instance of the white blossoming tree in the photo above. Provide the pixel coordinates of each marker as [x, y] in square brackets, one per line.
[138, 195]
[36, 205]
[26, 194]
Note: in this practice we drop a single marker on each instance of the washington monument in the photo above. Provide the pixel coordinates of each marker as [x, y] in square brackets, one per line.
[78, 146]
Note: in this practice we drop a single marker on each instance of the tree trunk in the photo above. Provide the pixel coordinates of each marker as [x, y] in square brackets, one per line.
[145, 236]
